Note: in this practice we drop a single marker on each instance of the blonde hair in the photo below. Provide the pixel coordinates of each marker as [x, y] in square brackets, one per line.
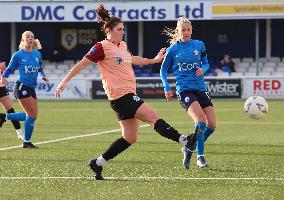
[36, 43]
[173, 33]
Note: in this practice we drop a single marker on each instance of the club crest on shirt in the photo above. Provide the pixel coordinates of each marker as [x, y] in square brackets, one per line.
[195, 52]
[37, 59]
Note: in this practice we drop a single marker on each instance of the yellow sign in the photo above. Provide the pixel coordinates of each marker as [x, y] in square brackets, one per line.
[248, 9]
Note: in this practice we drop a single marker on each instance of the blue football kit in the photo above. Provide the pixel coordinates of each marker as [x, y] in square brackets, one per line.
[29, 66]
[185, 58]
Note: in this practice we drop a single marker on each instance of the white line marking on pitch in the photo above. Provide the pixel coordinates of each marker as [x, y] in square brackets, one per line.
[116, 130]
[249, 123]
[70, 138]
[139, 178]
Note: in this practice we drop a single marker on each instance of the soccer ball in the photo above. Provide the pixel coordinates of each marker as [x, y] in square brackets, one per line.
[256, 107]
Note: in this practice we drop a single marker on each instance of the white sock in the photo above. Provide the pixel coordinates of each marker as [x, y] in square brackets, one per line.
[183, 139]
[19, 131]
[100, 161]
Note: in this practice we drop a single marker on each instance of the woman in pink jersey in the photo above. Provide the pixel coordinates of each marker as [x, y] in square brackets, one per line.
[6, 102]
[115, 64]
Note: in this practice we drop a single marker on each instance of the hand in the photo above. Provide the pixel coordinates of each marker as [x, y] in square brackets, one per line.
[169, 96]
[60, 89]
[199, 72]
[160, 56]
[45, 78]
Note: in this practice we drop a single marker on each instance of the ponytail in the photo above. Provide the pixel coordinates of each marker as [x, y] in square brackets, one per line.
[173, 33]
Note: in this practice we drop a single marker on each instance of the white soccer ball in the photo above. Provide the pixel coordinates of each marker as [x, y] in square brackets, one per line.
[256, 107]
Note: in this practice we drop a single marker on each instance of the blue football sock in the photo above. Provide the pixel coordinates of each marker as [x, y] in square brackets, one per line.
[18, 116]
[208, 131]
[29, 127]
[200, 139]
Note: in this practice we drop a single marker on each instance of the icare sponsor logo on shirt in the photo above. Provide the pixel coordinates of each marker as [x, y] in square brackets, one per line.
[125, 59]
[187, 66]
[31, 69]
[118, 60]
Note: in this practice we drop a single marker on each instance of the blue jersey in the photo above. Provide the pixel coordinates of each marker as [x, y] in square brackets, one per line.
[185, 58]
[29, 66]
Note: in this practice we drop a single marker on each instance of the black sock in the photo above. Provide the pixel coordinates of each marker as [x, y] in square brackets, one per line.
[116, 148]
[165, 130]
[15, 123]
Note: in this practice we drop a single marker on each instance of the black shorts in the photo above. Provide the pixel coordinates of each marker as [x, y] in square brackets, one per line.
[126, 106]
[3, 91]
[22, 91]
[186, 98]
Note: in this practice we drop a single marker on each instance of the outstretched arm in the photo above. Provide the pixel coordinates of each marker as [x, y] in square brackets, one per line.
[137, 60]
[73, 72]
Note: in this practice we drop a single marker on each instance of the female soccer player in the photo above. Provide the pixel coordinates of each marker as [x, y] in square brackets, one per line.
[188, 60]
[6, 102]
[115, 64]
[28, 61]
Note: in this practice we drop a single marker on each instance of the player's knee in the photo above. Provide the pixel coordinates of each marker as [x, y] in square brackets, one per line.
[131, 140]
[152, 118]
[201, 117]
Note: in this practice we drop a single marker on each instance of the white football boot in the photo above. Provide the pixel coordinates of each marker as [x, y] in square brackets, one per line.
[201, 162]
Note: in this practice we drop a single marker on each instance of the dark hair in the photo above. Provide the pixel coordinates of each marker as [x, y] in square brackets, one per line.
[105, 19]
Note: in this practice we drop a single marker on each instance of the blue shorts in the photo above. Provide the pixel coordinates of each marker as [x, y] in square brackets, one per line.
[186, 98]
[126, 106]
[22, 91]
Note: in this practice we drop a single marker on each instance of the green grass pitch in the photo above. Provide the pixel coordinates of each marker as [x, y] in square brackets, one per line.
[245, 156]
